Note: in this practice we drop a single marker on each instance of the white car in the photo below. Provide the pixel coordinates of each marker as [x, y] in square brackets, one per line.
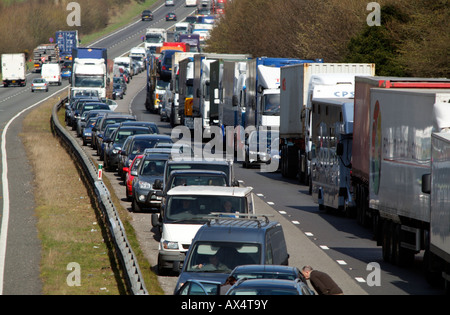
[169, 2]
[39, 84]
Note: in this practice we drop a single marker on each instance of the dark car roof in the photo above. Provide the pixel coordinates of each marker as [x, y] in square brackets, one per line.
[150, 136]
[265, 268]
[267, 283]
[250, 231]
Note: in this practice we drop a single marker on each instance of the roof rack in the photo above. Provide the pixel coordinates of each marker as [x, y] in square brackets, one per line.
[221, 217]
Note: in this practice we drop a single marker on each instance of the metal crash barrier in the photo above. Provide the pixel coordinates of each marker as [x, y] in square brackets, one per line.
[124, 251]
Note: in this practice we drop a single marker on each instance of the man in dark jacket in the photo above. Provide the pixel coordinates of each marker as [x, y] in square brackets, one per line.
[322, 283]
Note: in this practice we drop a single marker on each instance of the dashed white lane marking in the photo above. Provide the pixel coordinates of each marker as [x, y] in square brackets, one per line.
[324, 247]
[270, 203]
[359, 279]
[341, 262]
[282, 212]
[309, 234]
[295, 222]
[260, 195]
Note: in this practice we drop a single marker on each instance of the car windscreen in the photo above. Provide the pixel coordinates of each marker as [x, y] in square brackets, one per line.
[199, 166]
[222, 257]
[197, 179]
[199, 207]
[152, 167]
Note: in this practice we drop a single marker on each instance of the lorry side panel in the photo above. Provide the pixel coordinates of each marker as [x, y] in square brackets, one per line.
[400, 150]
[440, 196]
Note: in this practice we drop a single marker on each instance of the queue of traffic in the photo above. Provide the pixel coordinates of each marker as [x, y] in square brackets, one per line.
[374, 147]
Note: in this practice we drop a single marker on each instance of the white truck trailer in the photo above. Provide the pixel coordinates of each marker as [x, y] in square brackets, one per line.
[401, 124]
[437, 255]
[14, 69]
[297, 90]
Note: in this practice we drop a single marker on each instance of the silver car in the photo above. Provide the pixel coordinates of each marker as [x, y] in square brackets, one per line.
[39, 84]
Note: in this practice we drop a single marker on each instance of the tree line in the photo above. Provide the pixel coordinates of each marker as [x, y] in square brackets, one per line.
[412, 40]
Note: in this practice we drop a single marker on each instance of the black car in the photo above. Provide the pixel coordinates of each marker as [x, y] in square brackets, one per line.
[117, 91]
[113, 145]
[171, 16]
[147, 15]
[135, 145]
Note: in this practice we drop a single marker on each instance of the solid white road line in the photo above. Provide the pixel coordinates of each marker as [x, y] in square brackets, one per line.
[5, 189]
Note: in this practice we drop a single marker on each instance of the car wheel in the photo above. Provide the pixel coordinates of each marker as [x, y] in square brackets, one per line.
[135, 207]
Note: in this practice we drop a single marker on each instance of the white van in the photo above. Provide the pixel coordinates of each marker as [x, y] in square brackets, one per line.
[185, 210]
[52, 73]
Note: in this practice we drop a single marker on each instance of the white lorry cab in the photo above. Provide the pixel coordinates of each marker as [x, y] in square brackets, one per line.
[52, 73]
[186, 209]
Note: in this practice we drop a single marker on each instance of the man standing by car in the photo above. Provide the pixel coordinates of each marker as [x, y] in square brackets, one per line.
[322, 282]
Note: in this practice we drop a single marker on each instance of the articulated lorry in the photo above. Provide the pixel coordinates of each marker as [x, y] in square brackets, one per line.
[175, 83]
[361, 146]
[208, 69]
[436, 184]
[331, 152]
[263, 90]
[401, 122]
[45, 53]
[90, 70]
[14, 69]
[154, 38]
[66, 41]
[299, 84]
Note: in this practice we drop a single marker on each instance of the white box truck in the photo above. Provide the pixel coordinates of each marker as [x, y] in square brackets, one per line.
[14, 70]
[52, 73]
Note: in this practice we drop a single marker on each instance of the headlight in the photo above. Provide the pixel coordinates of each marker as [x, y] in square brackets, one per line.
[144, 185]
[170, 245]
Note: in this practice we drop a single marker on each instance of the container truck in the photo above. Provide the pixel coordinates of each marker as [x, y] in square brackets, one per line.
[263, 90]
[14, 70]
[175, 86]
[401, 122]
[298, 85]
[45, 53]
[331, 152]
[436, 184]
[207, 81]
[154, 37]
[66, 41]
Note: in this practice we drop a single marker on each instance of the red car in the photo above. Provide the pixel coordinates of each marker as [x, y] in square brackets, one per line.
[129, 177]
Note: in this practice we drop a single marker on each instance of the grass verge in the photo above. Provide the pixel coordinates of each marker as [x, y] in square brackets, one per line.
[69, 225]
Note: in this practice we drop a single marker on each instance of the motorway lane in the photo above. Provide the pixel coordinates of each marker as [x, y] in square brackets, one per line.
[22, 252]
